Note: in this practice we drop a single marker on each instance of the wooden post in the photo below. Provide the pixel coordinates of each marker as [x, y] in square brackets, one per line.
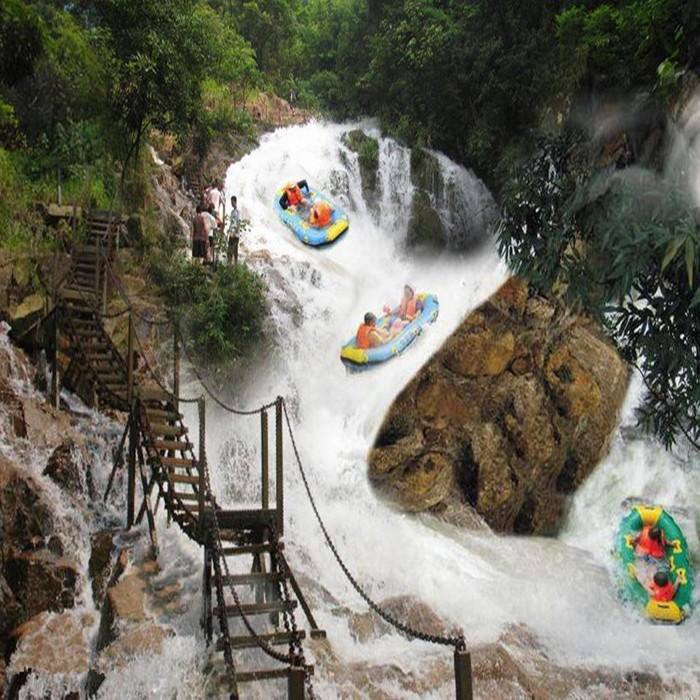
[55, 381]
[108, 255]
[463, 675]
[89, 186]
[130, 362]
[98, 255]
[206, 620]
[58, 178]
[176, 364]
[202, 466]
[131, 477]
[295, 690]
[264, 457]
[279, 478]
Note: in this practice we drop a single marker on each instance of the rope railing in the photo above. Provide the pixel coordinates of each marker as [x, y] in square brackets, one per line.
[456, 641]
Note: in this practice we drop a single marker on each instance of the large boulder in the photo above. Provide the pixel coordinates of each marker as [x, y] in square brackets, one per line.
[507, 419]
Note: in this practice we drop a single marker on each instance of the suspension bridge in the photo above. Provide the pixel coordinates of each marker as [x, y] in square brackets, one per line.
[249, 592]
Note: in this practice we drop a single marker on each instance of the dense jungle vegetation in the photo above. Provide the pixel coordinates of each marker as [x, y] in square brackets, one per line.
[493, 84]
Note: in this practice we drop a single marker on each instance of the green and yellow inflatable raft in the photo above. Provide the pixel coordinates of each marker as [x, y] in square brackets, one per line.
[676, 562]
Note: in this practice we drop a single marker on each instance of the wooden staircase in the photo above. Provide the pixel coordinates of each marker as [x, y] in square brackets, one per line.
[244, 566]
[250, 563]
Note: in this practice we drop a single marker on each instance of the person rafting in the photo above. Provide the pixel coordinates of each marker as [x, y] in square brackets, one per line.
[293, 195]
[320, 214]
[368, 335]
[650, 543]
[661, 588]
[409, 307]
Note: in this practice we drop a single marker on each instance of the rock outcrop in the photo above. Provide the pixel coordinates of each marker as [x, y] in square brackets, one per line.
[508, 418]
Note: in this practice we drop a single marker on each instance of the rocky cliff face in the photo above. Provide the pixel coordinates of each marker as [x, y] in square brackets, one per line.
[506, 420]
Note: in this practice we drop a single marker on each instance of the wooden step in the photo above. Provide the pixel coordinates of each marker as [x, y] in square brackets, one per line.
[250, 549]
[262, 674]
[163, 413]
[183, 478]
[253, 578]
[116, 388]
[179, 462]
[185, 496]
[112, 379]
[98, 356]
[247, 642]
[172, 446]
[69, 294]
[154, 394]
[249, 609]
[168, 430]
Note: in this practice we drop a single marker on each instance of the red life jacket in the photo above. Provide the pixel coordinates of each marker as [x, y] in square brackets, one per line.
[320, 213]
[408, 308]
[362, 337]
[662, 593]
[294, 195]
[649, 546]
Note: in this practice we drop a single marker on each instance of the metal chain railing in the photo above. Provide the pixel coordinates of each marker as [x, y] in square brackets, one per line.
[296, 650]
[218, 547]
[456, 641]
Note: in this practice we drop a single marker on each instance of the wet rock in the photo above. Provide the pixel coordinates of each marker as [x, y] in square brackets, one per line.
[41, 581]
[508, 418]
[426, 173]
[101, 564]
[10, 614]
[425, 228]
[367, 149]
[51, 644]
[65, 468]
[26, 520]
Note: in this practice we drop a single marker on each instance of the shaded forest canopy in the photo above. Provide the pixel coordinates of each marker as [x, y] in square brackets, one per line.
[491, 83]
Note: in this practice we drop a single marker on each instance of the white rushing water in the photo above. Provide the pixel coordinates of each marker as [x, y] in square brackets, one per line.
[561, 589]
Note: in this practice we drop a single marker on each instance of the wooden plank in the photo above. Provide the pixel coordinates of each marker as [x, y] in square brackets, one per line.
[252, 578]
[247, 642]
[250, 609]
[183, 479]
[179, 462]
[167, 430]
[262, 674]
[172, 445]
[260, 548]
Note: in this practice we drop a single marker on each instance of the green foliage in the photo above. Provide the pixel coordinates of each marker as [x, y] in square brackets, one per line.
[369, 155]
[160, 49]
[622, 42]
[21, 41]
[624, 245]
[222, 312]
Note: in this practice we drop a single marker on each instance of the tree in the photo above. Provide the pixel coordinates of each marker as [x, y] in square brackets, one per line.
[624, 246]
[160, 50]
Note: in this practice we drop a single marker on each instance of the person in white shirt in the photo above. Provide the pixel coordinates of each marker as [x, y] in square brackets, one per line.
[216, 196]
[234, 231]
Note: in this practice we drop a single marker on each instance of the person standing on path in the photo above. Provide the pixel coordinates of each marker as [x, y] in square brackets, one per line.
[234, 231]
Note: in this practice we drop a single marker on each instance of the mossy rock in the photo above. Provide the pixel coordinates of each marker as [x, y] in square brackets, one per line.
[425, 227]
[426, 173]
[367, 149]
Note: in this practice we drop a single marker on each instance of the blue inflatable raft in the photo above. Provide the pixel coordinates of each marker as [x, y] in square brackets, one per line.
[356, 358]
[297, 218]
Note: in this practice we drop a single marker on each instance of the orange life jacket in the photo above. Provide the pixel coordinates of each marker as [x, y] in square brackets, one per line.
[320, 213]
[662, 593]
[649, 546]
[408, 308]
[362, 338]
[294, 195]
